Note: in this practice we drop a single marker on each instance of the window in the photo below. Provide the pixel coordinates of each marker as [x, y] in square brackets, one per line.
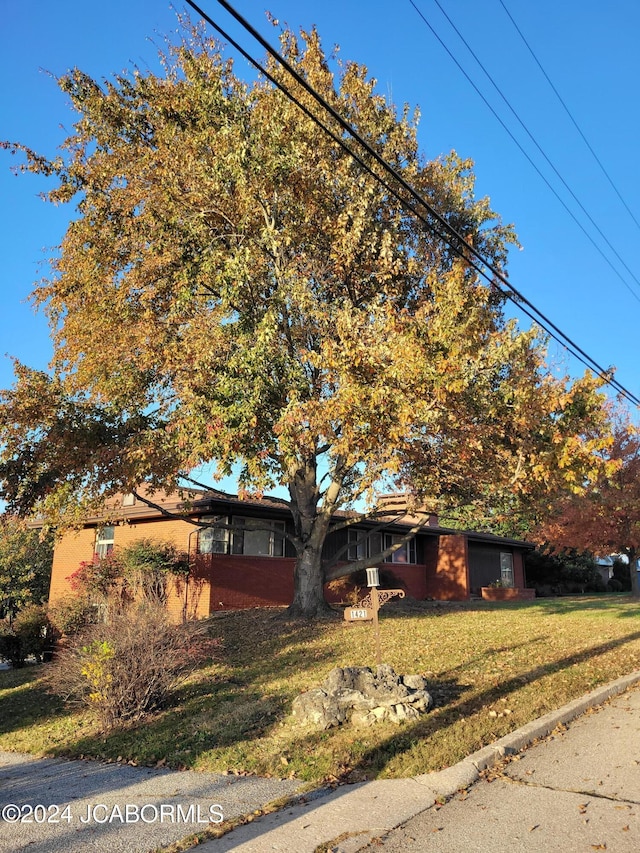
[405, 554]
[251, 536]
[358, 542]
[362, 545]
[258, 537]
[213, 540]
[506, 569]
[104, 541]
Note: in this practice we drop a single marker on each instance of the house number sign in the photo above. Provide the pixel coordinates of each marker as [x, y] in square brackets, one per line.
[366, 610]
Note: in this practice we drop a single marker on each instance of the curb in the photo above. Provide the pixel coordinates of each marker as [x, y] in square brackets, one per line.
[372, 809]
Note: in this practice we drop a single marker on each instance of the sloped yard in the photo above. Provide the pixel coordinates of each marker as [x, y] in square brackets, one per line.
[490, 669]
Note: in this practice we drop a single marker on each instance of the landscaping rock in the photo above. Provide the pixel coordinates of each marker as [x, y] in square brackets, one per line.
[363, 697]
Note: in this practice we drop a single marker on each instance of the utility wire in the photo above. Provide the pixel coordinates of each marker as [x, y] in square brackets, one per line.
[540, 149]
[511, 293]
[569, 113]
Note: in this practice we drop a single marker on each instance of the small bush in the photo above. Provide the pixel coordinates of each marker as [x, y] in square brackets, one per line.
[10, 649]
[147, 566]
[622, 574]
[140, 572]
[73, 614]
[563, 572]
[29, 635]
[614, 585]
[126, 668]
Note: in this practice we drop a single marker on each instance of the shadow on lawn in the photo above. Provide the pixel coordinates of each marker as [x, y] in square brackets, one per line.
[603, 602]
[441, 717]
[26, 701]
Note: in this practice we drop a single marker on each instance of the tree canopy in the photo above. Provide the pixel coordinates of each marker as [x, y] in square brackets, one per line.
[234, 288]
[605, 519]
[25, 566]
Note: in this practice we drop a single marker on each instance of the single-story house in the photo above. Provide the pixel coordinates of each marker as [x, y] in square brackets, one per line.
[244, 559]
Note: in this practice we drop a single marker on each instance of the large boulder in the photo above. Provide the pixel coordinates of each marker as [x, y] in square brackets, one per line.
[362, 696]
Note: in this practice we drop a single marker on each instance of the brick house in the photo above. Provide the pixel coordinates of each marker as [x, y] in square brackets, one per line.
[244, 559]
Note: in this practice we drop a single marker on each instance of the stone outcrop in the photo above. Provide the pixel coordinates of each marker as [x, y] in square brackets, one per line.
[363, 697]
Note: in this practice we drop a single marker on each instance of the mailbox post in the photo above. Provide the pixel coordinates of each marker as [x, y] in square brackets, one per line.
[367, 609]
[373, 582]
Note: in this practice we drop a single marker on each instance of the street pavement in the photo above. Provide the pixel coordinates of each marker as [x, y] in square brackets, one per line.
[50, 805]
[577, 788]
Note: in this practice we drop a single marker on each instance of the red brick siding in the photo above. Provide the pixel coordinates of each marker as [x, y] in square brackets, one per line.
[241, 581]
[76, 547]
[518, 569]
[72, 549]
[449, 579]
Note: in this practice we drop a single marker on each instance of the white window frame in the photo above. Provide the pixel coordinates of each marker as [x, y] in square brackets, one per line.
[219, 535]
[507, 577]
[273, 529]
[105, 538]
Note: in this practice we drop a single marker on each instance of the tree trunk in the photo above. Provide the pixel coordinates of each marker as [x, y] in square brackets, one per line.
[311, 523]
[633, 572]
[308, 593]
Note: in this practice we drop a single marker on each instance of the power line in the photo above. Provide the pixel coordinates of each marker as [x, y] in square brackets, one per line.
[538, 146]
[511, 293]
[570, 114]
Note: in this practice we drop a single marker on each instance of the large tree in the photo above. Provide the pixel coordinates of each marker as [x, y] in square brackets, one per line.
[235, 288]
[25, 566]
[605, 518]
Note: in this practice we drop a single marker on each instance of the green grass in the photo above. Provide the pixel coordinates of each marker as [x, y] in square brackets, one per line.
[491, 668]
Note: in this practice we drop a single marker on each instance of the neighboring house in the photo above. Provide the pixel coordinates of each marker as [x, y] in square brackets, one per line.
[605, 566]
[244, 559]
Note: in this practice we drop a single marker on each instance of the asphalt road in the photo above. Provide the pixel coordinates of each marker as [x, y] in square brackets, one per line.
[50, 805]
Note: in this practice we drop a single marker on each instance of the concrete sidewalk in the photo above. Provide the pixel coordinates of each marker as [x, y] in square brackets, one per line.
[114, 808]
[577, 791]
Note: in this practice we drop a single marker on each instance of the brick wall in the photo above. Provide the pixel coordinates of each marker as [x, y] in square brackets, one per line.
[242, 581]
[518, 569]
[76, 547]
[72, 549]
[448, 571]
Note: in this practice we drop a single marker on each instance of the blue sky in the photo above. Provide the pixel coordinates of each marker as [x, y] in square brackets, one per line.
[588, 49]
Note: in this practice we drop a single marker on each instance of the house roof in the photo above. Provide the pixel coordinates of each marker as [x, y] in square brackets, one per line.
[198, 502]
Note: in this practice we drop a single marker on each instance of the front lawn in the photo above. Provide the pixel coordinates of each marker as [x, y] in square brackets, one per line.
[491, 668]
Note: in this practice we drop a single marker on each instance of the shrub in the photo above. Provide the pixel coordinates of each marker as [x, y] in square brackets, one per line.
[562, 572]
[139, 572]
[147, 566]
[31, 634]
[622, 575]
[97, 578]
[126, 668]
[73, 614]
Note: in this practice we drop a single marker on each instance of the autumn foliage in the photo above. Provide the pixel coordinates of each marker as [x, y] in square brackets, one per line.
[234, 288]
[605, 519]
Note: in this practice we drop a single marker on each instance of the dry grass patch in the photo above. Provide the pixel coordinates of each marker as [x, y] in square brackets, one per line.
[491, 668]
